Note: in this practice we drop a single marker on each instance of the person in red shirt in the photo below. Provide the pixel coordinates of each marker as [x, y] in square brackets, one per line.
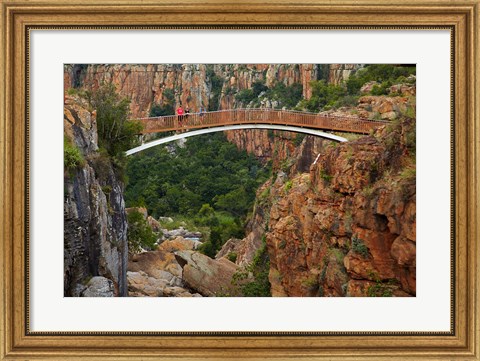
[180, 115]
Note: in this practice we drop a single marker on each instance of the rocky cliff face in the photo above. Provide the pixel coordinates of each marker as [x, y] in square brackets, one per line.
[196, 85]
[337, 73]
[341, 221]
[95, 233]
[347, 228]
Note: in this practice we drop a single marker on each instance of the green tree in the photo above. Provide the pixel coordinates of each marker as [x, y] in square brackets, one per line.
[116, 133]
[323, 95]
[140, 234]
[166, 105]
[258, 87]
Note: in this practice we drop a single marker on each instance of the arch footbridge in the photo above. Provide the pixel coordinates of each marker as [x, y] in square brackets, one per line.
[207, 122]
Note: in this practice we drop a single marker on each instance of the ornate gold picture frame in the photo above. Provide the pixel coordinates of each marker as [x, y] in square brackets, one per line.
[19, 342]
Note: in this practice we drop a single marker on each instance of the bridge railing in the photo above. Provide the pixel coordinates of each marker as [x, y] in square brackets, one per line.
[258, 116]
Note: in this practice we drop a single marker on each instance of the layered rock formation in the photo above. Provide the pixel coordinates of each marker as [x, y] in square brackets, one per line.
[195, 85]
[347, 228]
[337, 73]
[95, 234]
[341, 220]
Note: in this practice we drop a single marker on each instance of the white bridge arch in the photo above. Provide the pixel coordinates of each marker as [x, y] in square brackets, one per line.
[234, 127]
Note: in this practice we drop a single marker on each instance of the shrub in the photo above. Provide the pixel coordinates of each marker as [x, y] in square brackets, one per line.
[359, 247]
[158, 110]
[115, 132]
[140, 234]
[232, 257]
[385, 74]
[323, 96]
[72, 157]
[338, 254]
[288, 96]
[311, 283]
[409, 172]
[245, 96]
[216, 83]
[260, 267]
[288, 185]
[101, 164]
[258, 87]
[379, 290]
[325, 176]
[299, 137]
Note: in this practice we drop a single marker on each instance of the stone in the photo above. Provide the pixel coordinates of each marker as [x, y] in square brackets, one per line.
[140, 284]
[99, 287]
[155, 263]
[358, 288]
[367, 87]
[207, 276]
[403, 251]
[388, 115]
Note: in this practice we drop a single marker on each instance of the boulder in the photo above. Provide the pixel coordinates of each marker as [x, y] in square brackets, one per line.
[99, 287]
[207, 276]
[140, 284]
[158, 264]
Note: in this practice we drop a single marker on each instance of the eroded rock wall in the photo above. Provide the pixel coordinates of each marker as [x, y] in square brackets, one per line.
[341, 219]
[347, 228]
[192, 84]
[95, 224]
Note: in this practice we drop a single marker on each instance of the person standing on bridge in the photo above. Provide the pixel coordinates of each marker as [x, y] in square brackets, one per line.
[202, 114]
[180, 115]
[187, 112]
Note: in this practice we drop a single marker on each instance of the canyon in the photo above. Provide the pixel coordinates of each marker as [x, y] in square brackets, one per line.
[334, 219]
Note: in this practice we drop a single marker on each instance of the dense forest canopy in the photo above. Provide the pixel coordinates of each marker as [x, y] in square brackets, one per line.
[207, 180]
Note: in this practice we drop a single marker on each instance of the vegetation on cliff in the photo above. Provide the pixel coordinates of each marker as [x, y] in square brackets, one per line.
[326, 96]
[72, 157]
[116, 133]
[355, 236]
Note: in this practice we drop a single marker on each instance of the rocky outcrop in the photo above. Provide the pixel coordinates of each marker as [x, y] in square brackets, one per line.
[95, 225]
[157, 273]
[145, 84]
[347, 228]
[340, 72]
[299, 161]
[382, 107]
[207, 276]
[175, 269]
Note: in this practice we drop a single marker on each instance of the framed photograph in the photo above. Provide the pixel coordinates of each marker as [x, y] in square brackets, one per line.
[239, 180]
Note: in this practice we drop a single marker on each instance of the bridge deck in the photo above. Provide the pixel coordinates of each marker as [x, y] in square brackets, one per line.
[348, 124]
